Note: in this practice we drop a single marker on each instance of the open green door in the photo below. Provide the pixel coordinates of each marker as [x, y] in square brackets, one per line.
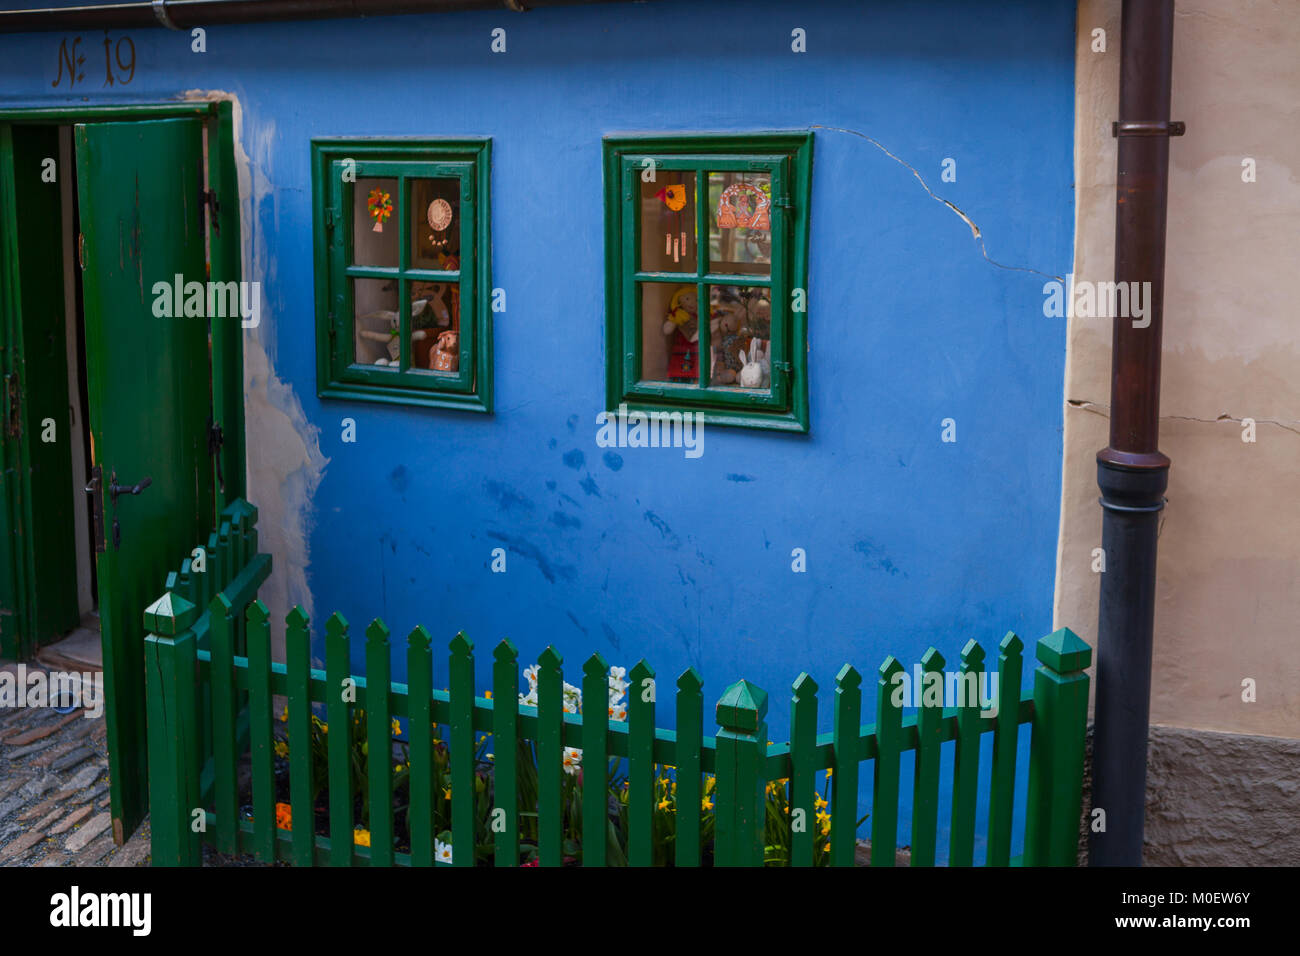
[147, 371]
[38, 561]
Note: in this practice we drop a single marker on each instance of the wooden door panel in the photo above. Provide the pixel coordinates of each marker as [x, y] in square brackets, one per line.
[142, 224]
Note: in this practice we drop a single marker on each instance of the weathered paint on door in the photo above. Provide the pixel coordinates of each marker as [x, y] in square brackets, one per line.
[148, 381]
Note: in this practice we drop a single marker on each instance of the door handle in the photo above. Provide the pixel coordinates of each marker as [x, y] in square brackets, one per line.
[114, 489]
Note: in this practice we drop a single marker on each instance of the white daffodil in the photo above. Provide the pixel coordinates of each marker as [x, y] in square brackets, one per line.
[442, 851]
[572, 760]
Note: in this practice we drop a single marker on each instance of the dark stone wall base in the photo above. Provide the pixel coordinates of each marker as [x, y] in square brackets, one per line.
[1215, 799]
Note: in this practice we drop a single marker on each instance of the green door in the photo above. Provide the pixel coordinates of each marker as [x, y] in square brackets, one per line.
[142, 223]
[38, 558]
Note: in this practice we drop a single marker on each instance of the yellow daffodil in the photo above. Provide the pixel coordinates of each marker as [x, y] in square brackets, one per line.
[819, 803]
[361, 837]
[281, 749]
[706, 804]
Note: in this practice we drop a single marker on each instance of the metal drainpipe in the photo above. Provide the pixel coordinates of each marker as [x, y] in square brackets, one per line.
[1131, 471]
[184, 14]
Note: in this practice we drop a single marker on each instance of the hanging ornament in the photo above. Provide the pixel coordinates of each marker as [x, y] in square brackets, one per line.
[439, 217]
[674, 197]
[380, 206]
[730, 217]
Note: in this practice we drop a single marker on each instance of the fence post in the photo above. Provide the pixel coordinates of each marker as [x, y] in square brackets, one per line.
[742, 776]
[172, 730]
[1056, 750]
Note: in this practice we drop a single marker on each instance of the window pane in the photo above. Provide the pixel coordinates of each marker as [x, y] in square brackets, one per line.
[670, 350]
[435, 223]
[435, 326]
[668, 223]
[374, 225]
[740, 333]
[740, 223]
[375, 307]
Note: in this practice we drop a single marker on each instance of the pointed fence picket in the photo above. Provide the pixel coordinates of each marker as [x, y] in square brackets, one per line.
[212, 708]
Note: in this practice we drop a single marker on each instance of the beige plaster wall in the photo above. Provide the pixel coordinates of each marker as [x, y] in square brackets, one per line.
[1228, 594]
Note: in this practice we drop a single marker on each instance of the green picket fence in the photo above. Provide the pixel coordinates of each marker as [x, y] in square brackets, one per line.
[721, 786]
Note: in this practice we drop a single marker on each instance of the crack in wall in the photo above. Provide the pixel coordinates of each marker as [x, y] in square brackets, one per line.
[975, 230]
[1097, 408]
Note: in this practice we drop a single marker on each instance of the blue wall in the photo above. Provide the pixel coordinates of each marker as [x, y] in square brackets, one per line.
[910, 541]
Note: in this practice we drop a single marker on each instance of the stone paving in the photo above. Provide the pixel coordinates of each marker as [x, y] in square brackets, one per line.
[54, 791]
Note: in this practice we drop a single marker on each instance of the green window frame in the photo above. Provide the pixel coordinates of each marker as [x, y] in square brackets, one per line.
[702, 163]
[461, 169]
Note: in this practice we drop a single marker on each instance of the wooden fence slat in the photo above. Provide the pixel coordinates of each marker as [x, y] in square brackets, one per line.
[550, 758]
[847, 718]
[169, 655]
[884, 800]
[1057, 750]
[803, 782]
[379, 741]
[966, 762]
[641, 765]
[230, 563]
[462, 751]
[505, 747]
[1005, 735]
[739, 811]
[595, 760]
[690, 733]
[297, 654]
[259, 722]
[925, 768]
[339, 694]
[419, 732]
[221, 670]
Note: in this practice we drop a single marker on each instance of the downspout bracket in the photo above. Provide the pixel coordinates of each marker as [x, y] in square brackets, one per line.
[1148, 128]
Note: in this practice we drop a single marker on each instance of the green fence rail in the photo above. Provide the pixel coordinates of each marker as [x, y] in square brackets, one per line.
[651, 795]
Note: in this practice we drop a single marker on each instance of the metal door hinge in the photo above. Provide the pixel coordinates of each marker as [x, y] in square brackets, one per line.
[216, 438]
[208, 197]
[14, 425]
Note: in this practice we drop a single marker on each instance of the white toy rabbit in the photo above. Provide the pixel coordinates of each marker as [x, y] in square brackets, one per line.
[756, 368]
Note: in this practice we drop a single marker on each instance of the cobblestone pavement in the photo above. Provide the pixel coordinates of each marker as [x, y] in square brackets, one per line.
[54, 791]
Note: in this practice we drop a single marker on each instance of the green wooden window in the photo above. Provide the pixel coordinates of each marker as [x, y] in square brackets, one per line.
[402, 271]
[706, 245]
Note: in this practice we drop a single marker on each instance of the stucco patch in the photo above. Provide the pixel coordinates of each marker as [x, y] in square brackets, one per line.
[284, 459]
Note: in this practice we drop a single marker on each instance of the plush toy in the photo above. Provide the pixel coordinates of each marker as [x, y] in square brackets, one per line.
[434, 297]
[756, 371]
[445, 355]
[390, 337]
[682, 317]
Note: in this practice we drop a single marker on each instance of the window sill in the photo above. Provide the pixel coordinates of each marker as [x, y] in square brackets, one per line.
[404, 396]
[765, 419]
